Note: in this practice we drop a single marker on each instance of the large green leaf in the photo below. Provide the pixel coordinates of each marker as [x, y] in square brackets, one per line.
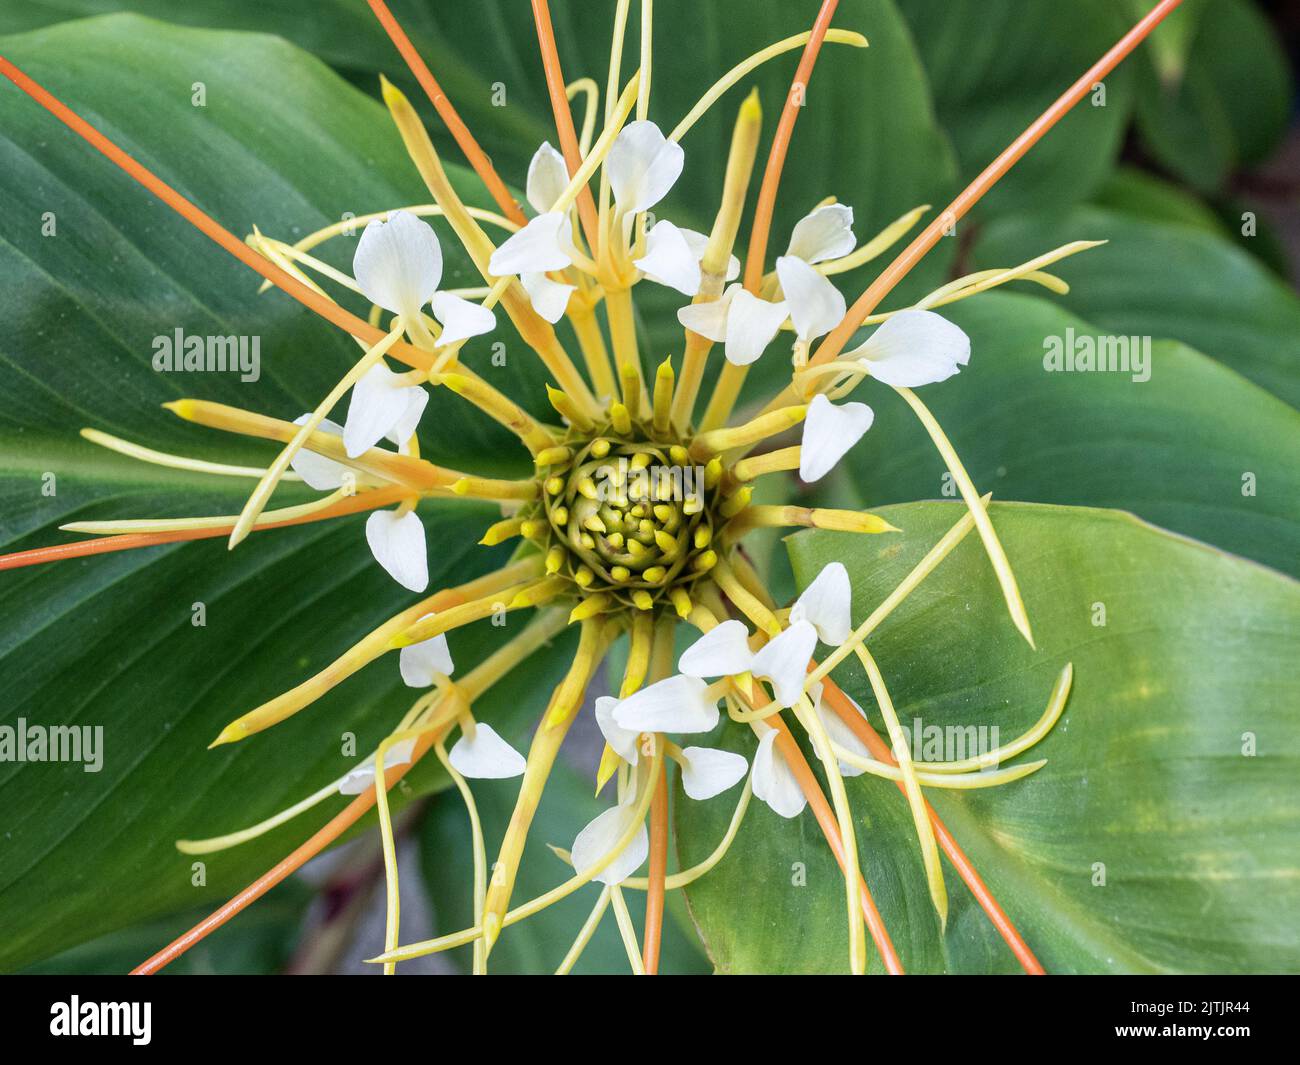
[995, 65]
[538, 944]
[109, 641]
[1162, 280]
[1195, 448]
[1148, 773]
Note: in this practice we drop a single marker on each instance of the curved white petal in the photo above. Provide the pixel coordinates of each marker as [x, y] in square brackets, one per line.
[709, 318]
[319, 472]
[460, 318]
[677, 704]
[419, 662]
[398, 546]
[601, 836]
[826, 604]
[363, 776]
[751, 325]
[774, 784]
[538, 246]
[707, 772]
[381, 403]
[828, 434]
[404, 428]
[914, 348]
[841, 735]
[699, 244]
[622, 740]
[720, 652]
[398, 263]
[816, 306]
[549, 298]
[668, 259]
[548, 177]
[642, 165]
[784, 661]
[824, 233]
[485, 756]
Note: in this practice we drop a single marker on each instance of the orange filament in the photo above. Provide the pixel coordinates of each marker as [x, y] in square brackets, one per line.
[654, 900]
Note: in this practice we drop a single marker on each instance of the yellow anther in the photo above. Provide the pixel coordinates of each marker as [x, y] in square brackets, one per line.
[738, 502]
[663, 395]
[554, 486]
[564, 404]
[636, 548]
[678, 454]
[586, 540]
[590, 607]
[620, 573]
[583, 577]
[560, 517]
[703, 536]
[621, 419]
[588, 488]
[594, 523]
[615, 539]
[554, 559]
[600, 448]
[501, 531]
[666, 541]
[529, 528]
[553, 456]
[642, 599]
[712, 472]
[640, 461]
[655, 574]
[664, 512]
[681, 602]
[705, 562]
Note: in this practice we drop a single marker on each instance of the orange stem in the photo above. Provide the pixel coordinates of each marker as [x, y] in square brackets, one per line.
[294, 861]
[314, 301]
[564, 117]
[654, 900]
[780, 145]
[839, 702]
[969, 196]
[124, 541]
[473, 153]
[831, 830]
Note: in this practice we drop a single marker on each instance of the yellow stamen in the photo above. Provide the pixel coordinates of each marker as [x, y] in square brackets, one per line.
[175, 462]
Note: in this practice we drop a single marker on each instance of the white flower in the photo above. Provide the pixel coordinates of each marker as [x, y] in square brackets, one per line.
[669, 260]
[549, 298]
[774, 783]
[398, 263]
[382, 405]
[839, 733]
[316, 470]
[721, 652]
[707, 772]
[642, 166]
[622, 741]
[539, 247]
[485, 755]
[746, 323]
[602, 835]
[829, 431]
[699, 244]
[548, 177]
[363, 776]
[826, 604]
[914, 348]
[784, 661]
[460, 319]
[677, 704]
[421, 663]
[816, 306]
[824, 233]
[398, 545]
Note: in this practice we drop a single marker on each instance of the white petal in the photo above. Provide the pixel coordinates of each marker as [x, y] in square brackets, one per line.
[381, 402]
[404, 428]
[720, 652]
[707, 772]
[669, 260]
[486, 756]
[549, 298]
[914, 348]
[751, 325]
[774, 784]
[622, 740]
[460, 318]
[536, 247]
[642, 166]
[699, 244]
[825, 233]
[398, 546]
[363, 777]
[548, 177]
[816, 306]
[398, 263]
[709, 318]
[601, 836]
[841, 736]
[319, 472]
[420, 661]
[826, 604]
[828, 433]
[678, 704]
[784, 661]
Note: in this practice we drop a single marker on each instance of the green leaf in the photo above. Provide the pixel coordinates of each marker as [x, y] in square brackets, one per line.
[996, 65]
[1194, 448]
[1148, 773]
[539, 943]
[1162, 280]
[1135, 192]
[110, 641]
